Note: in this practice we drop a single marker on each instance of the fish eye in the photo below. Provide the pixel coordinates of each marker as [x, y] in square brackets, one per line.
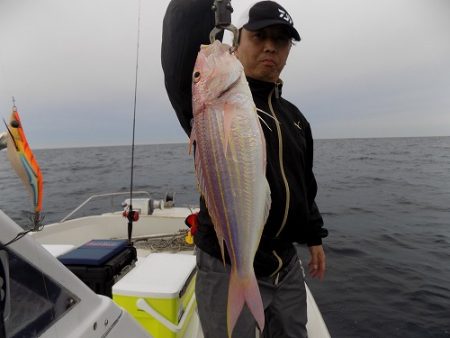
[197, 76]
[15, 124]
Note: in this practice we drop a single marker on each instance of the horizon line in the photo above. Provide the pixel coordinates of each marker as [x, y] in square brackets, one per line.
[187, 142]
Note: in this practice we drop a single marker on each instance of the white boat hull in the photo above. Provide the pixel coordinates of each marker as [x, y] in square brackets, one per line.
[40, 249]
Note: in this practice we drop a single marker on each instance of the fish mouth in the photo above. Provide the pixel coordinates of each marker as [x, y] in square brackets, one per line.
[231, 86]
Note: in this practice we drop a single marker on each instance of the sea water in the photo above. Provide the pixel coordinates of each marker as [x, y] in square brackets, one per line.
[385, 202]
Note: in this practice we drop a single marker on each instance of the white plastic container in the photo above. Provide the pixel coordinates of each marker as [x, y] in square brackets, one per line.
[159, 293]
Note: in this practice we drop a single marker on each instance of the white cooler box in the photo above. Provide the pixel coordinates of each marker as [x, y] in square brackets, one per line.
[159, 293]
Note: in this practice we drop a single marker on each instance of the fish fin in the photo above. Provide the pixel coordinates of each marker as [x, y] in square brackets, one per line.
[222, 247]
[240, 292]
[267, 114]
[197, 162]
[268, 202]
[265, 123]
[262, 120]
[191, 140]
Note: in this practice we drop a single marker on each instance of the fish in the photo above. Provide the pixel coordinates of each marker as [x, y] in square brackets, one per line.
[230, 166]
[24, 162]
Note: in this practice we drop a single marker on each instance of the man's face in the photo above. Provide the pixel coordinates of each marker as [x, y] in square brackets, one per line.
[263, 53]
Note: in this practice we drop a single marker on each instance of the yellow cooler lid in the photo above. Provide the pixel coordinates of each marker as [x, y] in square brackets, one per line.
[160, 275]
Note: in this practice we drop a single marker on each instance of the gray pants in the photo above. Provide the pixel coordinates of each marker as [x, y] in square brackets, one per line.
[284, 299]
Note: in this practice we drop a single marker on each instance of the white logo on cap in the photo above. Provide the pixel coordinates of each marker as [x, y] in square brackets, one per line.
[285, 16]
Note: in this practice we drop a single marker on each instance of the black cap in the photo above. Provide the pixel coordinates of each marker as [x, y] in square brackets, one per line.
[269, 13]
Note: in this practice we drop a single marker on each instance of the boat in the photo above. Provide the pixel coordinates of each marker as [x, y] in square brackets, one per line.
[45, 294]
[125, 272]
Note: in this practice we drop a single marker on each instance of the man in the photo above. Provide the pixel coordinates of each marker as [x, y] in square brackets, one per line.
[264, 45]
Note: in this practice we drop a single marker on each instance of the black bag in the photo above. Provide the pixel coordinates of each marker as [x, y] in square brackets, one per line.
[186, 25]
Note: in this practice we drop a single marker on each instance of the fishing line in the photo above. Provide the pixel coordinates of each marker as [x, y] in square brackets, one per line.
[15, 239]
[36, 227]
[130, 210]
[3, 78]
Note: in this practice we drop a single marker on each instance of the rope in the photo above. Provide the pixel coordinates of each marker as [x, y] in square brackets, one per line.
[173, 242]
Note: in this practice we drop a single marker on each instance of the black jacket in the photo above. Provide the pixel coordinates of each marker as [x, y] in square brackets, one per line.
[294, 216]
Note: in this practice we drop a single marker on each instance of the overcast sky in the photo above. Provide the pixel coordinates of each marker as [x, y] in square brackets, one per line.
[364, 68]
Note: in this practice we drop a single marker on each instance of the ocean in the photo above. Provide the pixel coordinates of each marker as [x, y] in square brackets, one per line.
[385, 202]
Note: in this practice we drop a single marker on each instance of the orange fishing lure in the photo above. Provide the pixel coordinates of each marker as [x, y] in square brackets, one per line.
[23, 161]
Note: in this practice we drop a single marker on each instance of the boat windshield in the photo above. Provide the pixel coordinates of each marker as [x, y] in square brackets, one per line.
[30, 302]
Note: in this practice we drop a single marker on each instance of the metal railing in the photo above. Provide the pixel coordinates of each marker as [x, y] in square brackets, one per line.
[110, 195]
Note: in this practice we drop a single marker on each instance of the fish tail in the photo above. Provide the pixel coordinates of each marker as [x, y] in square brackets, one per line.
[243, 291]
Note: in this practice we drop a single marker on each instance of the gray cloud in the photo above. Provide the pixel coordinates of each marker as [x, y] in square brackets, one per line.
[362, 69]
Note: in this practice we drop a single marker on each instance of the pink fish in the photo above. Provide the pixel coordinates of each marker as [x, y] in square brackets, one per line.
[230, 164]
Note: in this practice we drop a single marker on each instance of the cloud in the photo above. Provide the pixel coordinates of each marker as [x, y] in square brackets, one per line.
[362, 68]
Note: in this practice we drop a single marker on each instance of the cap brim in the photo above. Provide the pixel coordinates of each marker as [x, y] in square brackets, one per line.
[254, 26]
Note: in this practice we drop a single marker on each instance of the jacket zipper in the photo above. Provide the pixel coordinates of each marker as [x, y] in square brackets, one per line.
[283, 175]
[280, 158]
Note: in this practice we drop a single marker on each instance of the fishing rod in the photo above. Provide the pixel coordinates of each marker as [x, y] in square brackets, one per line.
[132, 215]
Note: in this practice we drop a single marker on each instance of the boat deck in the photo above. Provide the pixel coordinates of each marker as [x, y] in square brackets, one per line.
[163, 231]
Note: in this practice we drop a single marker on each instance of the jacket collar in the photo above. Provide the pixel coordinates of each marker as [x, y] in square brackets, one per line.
[264, 88]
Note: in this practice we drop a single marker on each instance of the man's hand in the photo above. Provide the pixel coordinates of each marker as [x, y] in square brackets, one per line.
[317, 263]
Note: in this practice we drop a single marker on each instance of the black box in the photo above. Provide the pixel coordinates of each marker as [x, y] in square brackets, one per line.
[101, 278]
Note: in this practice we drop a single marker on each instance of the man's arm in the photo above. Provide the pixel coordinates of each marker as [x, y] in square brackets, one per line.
[317, 264]
[316, 231]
